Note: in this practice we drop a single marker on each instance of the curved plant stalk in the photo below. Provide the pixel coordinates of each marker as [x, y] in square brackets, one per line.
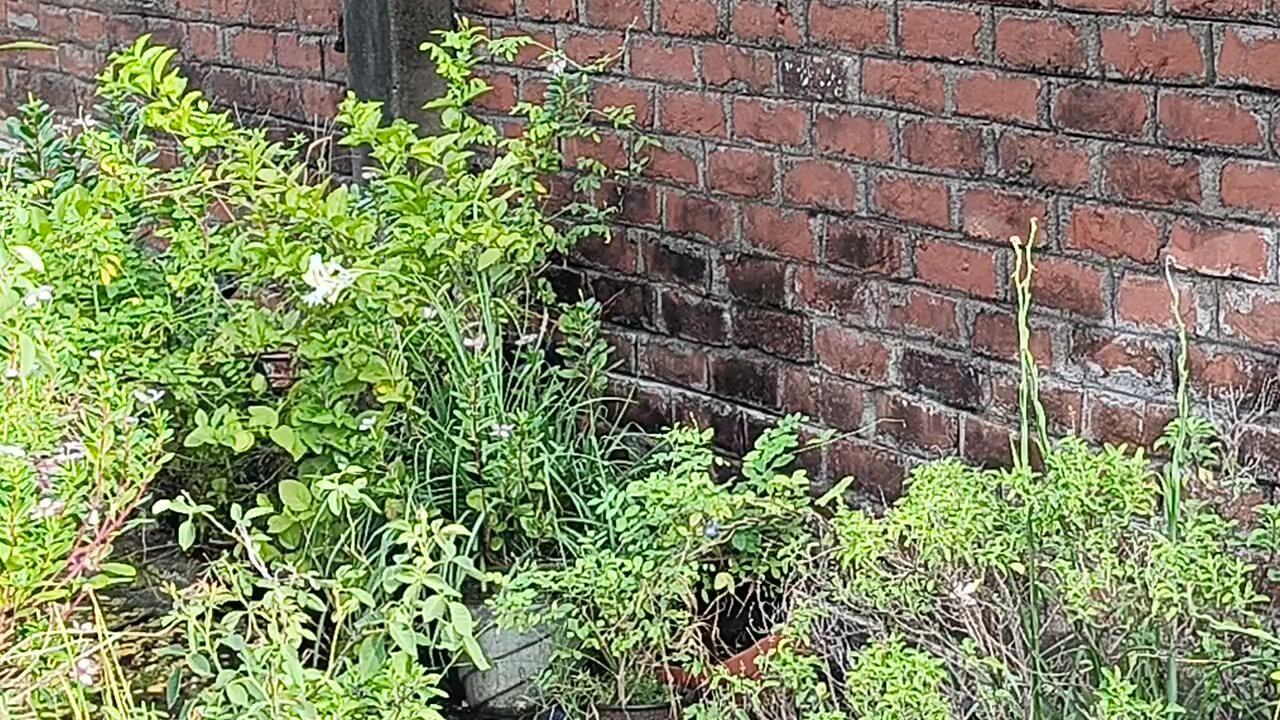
[1173, 474]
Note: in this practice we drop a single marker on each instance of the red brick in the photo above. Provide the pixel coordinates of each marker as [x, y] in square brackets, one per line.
[750, 381]
[998, 215]
[552, 10]
[851, 354]
[294, 52]
[695, 318]
[686, 213]
[80, 62]
[1116, 420]
[1104, 353]
[1069, 285]
[777, 123]
[856, 28]
[321, 99]
[617, 14]
[1154, 177]
[533, 55]
[674, 164]
[725, 65]
[675, 363]
[777, 333]
[1049, 160]
[609, 149]
[1218, 369]
[1209, 120]
[844, 296]
[1103, 109]
[501, 8]
[995, 334]
[1146, 301]
[1153, 52]
[1040, 44]
[688, 17]
[1219, 8]
[986, 444]
[916, 424]
[1063, 406]
[857, 135]
[841, 404]
[589, 47]
[815, 183]
[91, 27]
[1113, 233]
[755, 279]
[1250, 56]
[764, 22]
[924, 313]
[1251, 314]
[919, 200]
[970, 270]
[676, 264]
[950, 379]
[909, 84]
[928, 31]
[501, 96]
[610, 94]
[944, 146]
[865, 246]
[779, 231]
[1251, 186]
[317, 15]
[1232, 251]
[740, 172]
[879, 473]
[998, 96]
[256, 48]
[204, 41]
[692, 113]
[652, 60]
[1109, 6]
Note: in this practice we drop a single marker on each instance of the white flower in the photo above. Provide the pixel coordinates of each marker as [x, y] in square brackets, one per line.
[367, 424]
[150, 396]
[71, 451]
[87, 671]
[557, 66]
[474, 343]
[11, 373]
[429, 313]
[326, 280]
[88, 122]
[12, 451]
[526, 339]
[963, 593]
[501, 431]
[95, 354]
[47, 508]
[42, 294]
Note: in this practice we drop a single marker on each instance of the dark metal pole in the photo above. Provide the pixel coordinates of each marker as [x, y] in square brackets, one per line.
[383, 59]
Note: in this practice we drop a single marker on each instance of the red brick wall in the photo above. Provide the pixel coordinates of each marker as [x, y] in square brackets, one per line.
[825, 229]
[276, 58]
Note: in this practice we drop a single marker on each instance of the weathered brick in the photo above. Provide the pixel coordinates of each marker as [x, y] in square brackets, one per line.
[692, 113]
[254, 47]
[855, 28]
[942, 32]
[1102, 109]
[676, 163]
[918, 425]
[817, 77]
[1069, 285]
[1110, 6]
[687, 214]
[1035, 43]
[740, 172]
[1250, 56]
[995, 334]
[841, 404]
[1209, 120]
[1224, 250]
[998, 96]
[1219, 8]
[916, 85]
[1116, 419]
[1149, 51]
[922, 312]
[914, 199]
[625, 302]
[749, 380]
[1217, 369]
[972, 270]
[1113, 233]
[738, 68]
[756, 279]
[589, 47]
[865, 246]
[784, 232]
[552, 10]
[664, 262]
[676, 363]
[843, 296]
[764, 22]
[997, 215]
[859, 135]
[694, 317]
[665, 61]
[879, 473]
[944, 146]
[1251, 186]
[852, 354]
[986, 444]
[778, 333]
[950, 380]
[688, 17]
[1042, 159]
[775, 123]
[1151, 177]
[617, 14]
[1105, 353]
[612, 94]
[816, 183]
[1146, 301]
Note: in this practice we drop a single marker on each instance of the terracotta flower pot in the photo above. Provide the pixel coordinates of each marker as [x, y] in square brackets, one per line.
[635, 712]
[743, 665]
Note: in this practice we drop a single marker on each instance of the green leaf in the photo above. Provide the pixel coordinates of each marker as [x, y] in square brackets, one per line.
[723, 581]
[285, 437]
[488, 258]
[199, 437]
[121, 570]
[372, 655]
[237, 694]
[173, 688]
[29, 256]
[186, 534]
[295, 495]
[199, 664]
[261, 416]
[404, 637]
[241, 441]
